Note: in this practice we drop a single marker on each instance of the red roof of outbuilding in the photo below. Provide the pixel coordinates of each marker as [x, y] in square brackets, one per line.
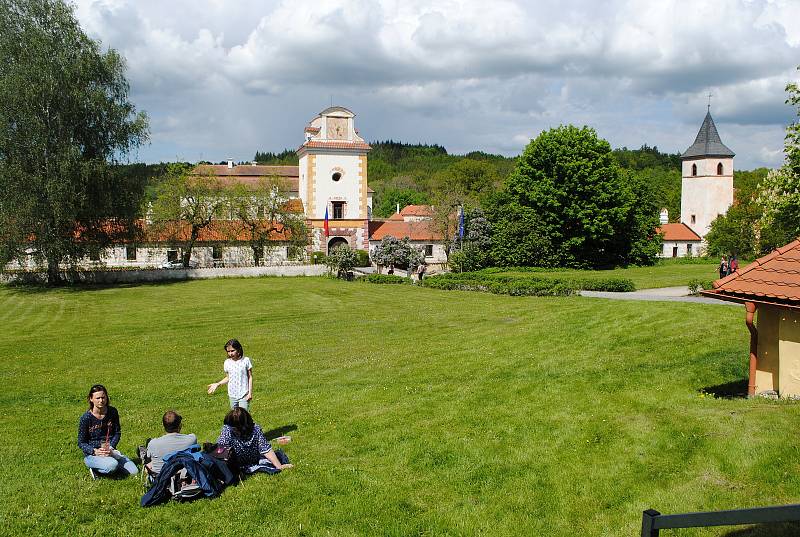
[336, 145]
[417, 210]
[422, 230]
[678, 232]
[774, 278]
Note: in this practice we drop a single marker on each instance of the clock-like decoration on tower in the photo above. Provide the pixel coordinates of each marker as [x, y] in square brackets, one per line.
[337, 128]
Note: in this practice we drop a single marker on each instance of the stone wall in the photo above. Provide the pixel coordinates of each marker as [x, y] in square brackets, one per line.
[159, 275]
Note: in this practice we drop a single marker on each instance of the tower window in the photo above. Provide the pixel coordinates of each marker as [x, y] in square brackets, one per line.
[694, 219]
[719, 169]
[694, 170]
[338, 210]
[336, 176]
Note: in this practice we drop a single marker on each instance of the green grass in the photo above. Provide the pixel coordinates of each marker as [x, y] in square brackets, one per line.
[665, 273]
[417, 412]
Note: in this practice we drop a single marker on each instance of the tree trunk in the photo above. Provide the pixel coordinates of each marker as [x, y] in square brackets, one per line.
[53, 273]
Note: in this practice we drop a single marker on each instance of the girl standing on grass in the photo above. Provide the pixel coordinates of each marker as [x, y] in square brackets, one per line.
[238, 376]
[98, 435]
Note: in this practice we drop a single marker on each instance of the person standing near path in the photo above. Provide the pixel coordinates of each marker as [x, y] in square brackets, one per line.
[723, 267]
[238, 376]
[99, 433]
[733, 265]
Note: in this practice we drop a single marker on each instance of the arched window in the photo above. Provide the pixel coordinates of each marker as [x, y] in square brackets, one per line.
[719, 169]
[694, 170]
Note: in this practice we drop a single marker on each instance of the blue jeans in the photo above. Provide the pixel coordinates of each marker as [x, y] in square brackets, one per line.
[244, 403]
[109, 465]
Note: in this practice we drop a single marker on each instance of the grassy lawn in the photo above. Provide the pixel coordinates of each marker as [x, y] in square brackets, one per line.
[665, 273]
[417, 412]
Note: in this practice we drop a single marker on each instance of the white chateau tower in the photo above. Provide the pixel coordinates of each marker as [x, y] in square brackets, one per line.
[333, 177]
[707, 184]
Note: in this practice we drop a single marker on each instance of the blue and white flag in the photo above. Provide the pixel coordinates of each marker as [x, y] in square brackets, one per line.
[461, 222]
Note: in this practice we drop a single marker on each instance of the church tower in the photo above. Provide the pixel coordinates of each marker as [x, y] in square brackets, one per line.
[707, 183]
[333, 178]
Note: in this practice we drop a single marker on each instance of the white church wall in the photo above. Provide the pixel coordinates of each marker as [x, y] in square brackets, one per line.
[703, 199]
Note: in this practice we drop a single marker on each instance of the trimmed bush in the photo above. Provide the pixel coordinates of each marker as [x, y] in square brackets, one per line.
[362, 258]
[696, 285]
[384, 278]
[524, 285]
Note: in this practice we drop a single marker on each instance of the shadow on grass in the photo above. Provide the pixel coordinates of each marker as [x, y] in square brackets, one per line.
[37, 289]
[730, 390]
[789, 529]
[280, 431]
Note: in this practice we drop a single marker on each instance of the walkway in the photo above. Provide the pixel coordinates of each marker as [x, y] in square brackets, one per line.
[663, 294]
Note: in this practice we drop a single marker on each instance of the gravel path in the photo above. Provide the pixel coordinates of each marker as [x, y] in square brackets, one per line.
[663, 294]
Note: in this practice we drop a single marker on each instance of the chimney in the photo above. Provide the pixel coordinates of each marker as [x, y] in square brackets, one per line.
[254, 163]
[664, 216]
[230, 163]
[398, 207]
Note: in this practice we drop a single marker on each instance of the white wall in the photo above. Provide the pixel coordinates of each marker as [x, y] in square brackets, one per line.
[347, 189]
[707, 194]
[667, 247]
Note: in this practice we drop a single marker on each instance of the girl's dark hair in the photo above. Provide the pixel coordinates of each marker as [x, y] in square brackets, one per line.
[93, 390]
[236, 345]
[241, 422]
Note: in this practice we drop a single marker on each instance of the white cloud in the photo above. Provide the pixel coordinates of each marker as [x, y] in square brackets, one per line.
[637, 71]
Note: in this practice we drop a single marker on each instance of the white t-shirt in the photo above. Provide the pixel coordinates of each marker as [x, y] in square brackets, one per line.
[237, 376]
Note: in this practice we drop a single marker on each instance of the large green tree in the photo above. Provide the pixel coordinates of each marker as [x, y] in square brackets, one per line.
[265, 213]
[569, 186]
[65, 117]
[779, 192]
[187, 202]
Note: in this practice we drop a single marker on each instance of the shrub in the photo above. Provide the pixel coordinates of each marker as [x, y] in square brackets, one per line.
[384, 278]
[696, 285]
[486, 280]
[362, 258]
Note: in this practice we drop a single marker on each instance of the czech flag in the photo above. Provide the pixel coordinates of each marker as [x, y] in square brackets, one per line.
[327, 230]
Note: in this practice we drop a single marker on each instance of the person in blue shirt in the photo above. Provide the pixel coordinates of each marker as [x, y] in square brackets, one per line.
[99, 432]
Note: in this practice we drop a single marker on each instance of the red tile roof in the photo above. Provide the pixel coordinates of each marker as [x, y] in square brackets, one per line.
[222, 170]
[217, 231]
[335, 145]
[422, 230]
[417, 210]
[678, 232]
[774, 278]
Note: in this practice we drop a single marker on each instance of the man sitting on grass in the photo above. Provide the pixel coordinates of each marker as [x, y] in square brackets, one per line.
[168, 443]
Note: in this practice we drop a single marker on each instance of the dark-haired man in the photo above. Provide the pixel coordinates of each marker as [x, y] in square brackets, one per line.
[168, 443]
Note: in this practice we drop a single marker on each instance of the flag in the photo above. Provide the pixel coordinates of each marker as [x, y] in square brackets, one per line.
[461, 222]
[327, 230]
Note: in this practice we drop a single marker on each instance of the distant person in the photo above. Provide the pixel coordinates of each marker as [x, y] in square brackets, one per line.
[391, 270]
[238, 376]
[99, 433]
[733, 266]
[421, 271]
[723, 267]
[170, 442]
[247, 441]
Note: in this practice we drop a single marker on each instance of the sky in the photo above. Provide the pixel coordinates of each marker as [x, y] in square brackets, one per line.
[226, 78]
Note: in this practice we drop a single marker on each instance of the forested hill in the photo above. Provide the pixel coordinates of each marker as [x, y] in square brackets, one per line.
[403, 173]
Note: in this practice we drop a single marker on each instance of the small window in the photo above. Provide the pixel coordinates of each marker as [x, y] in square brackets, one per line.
[94, 255]
[694, 219]
[336, 176]
[694, 170]
[130, 253]
[172, 255]
[689, 249]
[216, 253]
[429, 250]
[719, 169]
[338, 210]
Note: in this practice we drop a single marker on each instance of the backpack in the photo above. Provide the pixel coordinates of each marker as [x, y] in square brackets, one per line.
[182, 488]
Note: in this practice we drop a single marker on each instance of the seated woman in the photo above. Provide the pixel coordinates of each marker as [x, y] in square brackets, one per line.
[246, 440]
[98, 435]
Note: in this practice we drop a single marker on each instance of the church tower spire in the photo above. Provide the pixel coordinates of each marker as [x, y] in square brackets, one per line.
[707, 183]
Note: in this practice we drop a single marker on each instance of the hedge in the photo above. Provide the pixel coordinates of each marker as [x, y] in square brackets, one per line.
[384, 278]
[525, 285]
